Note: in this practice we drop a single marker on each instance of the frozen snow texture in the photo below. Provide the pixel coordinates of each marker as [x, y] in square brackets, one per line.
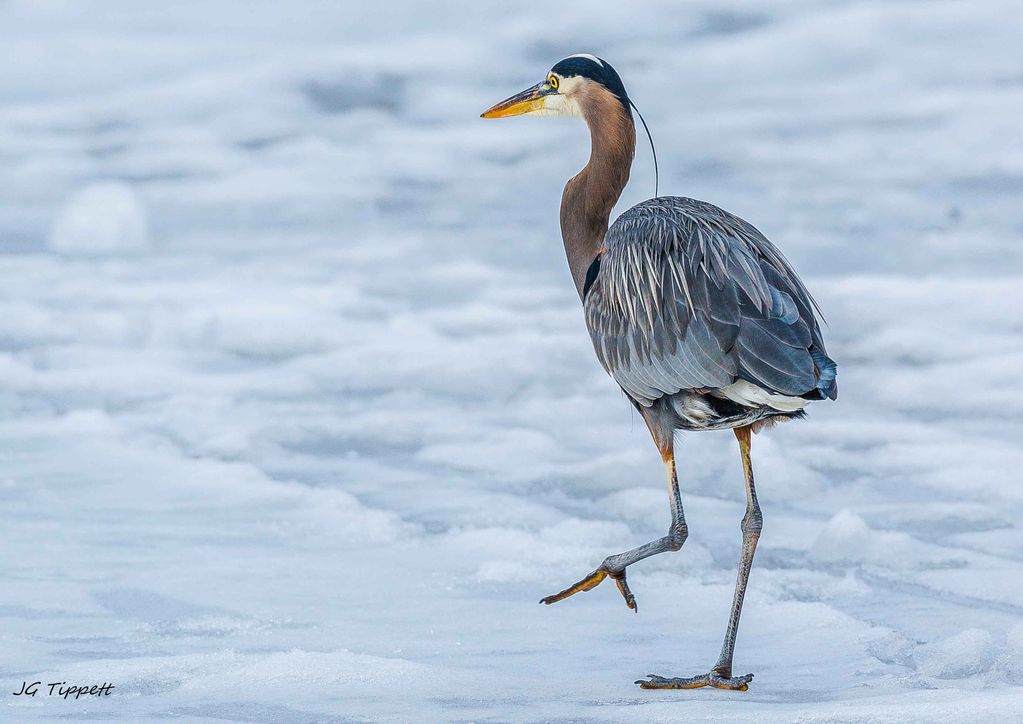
[315, 452]
[966, 653]
[102, 218]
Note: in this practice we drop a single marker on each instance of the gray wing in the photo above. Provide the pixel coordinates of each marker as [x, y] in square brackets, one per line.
[688, 296]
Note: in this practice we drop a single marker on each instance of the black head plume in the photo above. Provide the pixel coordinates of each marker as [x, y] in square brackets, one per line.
[595, 69]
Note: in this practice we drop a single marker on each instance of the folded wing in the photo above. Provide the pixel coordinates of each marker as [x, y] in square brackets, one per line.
[686, 296]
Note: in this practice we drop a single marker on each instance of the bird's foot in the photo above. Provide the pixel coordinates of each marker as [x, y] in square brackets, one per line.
[734, 683]
[591, 581]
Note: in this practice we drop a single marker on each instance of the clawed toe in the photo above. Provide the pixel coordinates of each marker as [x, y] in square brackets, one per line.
[733, 683]
[592, 581]
[623, 588]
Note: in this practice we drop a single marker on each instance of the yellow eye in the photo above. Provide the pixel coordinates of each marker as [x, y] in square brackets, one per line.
[553, 82]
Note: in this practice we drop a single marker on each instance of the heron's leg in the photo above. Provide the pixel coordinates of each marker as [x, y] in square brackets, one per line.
[614, 566]
[752, 523]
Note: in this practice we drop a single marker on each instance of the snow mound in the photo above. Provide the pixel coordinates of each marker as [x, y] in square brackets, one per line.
[102, 218]
[964, 654]
[848, 538]
[1012, 659]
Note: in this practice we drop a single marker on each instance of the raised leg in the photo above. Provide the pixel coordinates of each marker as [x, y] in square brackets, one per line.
[614, 566]
[752, 523]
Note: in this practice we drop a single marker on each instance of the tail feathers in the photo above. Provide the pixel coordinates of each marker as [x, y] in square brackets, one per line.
[827, 372]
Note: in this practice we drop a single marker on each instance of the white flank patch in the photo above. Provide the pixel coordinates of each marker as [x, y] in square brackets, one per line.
[746, 393]
[692, 408]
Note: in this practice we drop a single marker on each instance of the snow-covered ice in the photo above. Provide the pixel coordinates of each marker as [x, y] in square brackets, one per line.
[102, 218]
[304, 424]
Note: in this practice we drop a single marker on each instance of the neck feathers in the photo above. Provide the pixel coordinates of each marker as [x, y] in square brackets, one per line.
[592, 193]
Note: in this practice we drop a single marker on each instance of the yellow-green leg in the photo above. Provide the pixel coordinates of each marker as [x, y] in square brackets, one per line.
[614, 566]
[720, 677]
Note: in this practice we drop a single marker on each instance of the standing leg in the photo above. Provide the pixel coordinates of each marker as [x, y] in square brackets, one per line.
[614, 566]
[752, 523]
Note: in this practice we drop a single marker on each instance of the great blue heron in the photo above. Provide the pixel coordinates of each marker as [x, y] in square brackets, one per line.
[695, 314]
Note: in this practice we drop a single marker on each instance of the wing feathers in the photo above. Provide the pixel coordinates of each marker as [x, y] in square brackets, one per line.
[687, 296]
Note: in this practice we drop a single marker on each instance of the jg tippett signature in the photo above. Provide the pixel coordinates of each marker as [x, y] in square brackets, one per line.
[60, 688]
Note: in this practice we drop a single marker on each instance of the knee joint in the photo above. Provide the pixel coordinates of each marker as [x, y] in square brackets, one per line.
[677, 536]
[613, 564]
[752, 523]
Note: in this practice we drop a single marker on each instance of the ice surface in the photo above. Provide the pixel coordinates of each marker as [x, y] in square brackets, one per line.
[963, 654]
[102, 218]
[312, 445]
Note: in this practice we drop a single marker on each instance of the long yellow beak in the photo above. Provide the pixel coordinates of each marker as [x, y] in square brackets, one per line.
[529, 100]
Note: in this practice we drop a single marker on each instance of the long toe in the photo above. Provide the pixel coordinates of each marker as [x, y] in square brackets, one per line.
[732, 683]
[592, 581]
[623, 588]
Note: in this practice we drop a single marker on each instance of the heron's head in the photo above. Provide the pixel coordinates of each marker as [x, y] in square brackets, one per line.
[573, 87]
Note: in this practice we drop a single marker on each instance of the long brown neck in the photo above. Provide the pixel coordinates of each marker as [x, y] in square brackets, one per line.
[592, 193]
